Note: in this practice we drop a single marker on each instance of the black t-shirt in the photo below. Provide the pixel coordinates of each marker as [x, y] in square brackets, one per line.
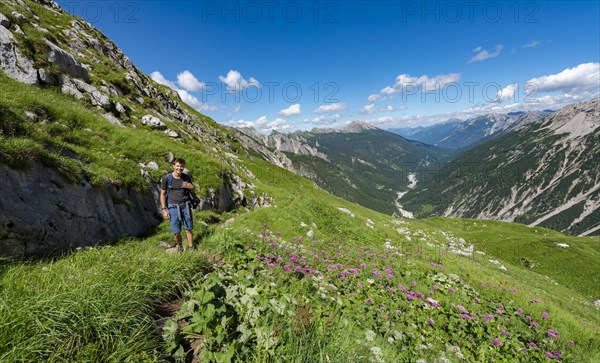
[177, 194]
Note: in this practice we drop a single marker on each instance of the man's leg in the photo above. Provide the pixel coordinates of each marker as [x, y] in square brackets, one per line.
[190, 238]
[177, 237]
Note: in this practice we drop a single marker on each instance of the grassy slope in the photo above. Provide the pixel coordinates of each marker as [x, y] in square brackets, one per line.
[96, 305]
[102, 147]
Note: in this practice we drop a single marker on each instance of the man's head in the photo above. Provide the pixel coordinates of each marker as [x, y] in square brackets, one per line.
[178, 166]
[179, 160]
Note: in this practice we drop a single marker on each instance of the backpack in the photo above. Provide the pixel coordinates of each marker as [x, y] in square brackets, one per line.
[192, 197]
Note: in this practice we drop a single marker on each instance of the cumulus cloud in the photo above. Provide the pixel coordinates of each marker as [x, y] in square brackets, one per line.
[371, 108]
[531, 44]
[160, 79]
[291, 111]
[235, 82]
[189, 82]
[333, 107]
[408, 83]
[483, 54]
[507, 92]
[183, 94]
[582, 78]
[374, 97]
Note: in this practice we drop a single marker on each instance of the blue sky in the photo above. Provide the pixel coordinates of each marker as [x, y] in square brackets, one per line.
[289, 65]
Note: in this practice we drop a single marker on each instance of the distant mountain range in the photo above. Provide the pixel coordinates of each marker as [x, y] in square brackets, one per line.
[457, 134]
[358, 162]
[545, 173]
[538, 168]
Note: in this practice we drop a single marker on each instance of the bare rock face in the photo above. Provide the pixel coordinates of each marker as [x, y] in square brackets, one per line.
[13, 62]
[43, 212]
[67, 63]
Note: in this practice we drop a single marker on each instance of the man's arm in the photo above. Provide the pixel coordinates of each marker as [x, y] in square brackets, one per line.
[163, 204]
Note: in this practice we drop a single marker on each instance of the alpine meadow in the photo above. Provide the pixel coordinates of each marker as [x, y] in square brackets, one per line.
[358, 203]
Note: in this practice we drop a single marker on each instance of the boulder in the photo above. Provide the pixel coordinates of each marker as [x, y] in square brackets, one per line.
[172, 134]
[4, 21]
[47, 77]
[67, 62]
[12, 62]
[154, 122]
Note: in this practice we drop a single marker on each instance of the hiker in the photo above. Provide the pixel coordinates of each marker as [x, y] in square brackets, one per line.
[175, 189]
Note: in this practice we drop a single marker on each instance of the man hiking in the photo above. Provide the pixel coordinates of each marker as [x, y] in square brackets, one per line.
[175, 188]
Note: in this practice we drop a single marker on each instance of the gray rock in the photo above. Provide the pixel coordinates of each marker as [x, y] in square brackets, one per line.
[12, 62]
[47, 77]
[69, 88]
[120, 109]
[4, 21]
[154, 122]
[172, 134]
[112, 119]
[45, 212]
[67, 62]
[152, 165]
[97, 98]
[20, 17]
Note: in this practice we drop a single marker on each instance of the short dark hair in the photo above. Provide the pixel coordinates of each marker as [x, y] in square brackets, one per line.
[179, 160]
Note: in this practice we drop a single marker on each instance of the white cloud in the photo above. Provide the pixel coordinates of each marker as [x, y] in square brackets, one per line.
[333, 107]
[507, 92]
[291, 111]
[483, 54]
[189, 82]
[531, 44]
[194, 102]
[584, 78]
[183, 94]
[374, 97]
[408, 83]
[370, 109]
[235, 82]
[160, 79]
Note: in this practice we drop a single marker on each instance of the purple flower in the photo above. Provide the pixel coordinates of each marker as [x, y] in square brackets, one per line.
[550, 355]
[519, 310]
[414, 283]
[389, 276]
[265, 225]
[452, 291]
[369, 300]
[436, 287]
[462, 308]
[571, 342]
[553, 334]
[496, 342]
[499, 312]
[557, 354]
[398, 312]
[545, 315]
[287, 267]
[465, 316]
[503, 331]
[430, 321]
[532, 345]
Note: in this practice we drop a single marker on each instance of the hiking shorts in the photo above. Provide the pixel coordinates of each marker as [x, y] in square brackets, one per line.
[181, 215]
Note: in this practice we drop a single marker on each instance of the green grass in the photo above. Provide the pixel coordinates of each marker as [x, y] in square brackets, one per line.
[95, 305]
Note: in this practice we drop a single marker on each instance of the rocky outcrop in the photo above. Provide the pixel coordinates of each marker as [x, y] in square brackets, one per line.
[66, 62]
[13, 62]
[41, 211]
